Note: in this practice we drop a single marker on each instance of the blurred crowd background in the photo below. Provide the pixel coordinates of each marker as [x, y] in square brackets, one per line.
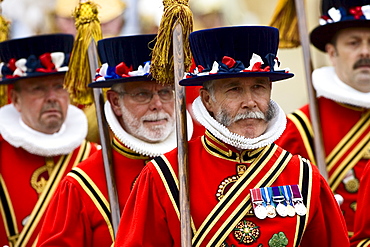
[128, 17]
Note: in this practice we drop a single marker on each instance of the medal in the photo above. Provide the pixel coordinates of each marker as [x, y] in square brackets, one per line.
[290, 210]
[246, 232]
[258, 207]
[288, 199]
[279, 198]
[300, 208]
[271, 211]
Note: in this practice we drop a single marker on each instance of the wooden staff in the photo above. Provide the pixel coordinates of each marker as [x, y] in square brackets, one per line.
[181, 131]
[313, 105]
[104, 140]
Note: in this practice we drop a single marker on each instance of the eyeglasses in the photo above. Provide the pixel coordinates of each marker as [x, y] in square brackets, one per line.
[145, 96]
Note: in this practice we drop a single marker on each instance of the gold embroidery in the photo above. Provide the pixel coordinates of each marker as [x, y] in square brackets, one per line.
[38, 179]
[241, 168]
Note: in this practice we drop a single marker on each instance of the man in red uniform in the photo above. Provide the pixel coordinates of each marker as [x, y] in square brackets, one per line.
[42, 135]
[343, 100]
[140, 113]
[244, 189]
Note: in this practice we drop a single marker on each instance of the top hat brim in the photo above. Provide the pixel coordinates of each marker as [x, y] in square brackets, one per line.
[110, 83]
[198, 80]
[324, 34]
[9, 81]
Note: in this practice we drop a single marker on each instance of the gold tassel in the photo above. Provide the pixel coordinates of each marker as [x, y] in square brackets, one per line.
[78, 75]
[285, 19]
[162, 66]
[4, 32]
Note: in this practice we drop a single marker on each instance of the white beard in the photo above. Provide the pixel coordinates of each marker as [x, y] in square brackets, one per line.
[137, 128]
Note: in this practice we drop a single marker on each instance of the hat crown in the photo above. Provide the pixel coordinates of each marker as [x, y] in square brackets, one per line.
[326, 5]
[35, 45]
[239, 42]
[132, 50]
[338, 15]
[234, 51]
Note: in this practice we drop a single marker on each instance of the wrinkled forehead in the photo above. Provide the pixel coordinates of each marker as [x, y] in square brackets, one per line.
[240, 81]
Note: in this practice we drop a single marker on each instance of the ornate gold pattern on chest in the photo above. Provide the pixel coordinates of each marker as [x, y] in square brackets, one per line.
[226, 184]
[41, 175]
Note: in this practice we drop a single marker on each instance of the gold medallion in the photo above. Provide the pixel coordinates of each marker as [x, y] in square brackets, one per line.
[352, 185]
[271, 211]
[290, 210]
[246, 232]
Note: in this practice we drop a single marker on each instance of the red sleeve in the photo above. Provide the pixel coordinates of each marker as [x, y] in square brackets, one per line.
[66, 219]
[326, 226]
[361, 236]
[145, 221]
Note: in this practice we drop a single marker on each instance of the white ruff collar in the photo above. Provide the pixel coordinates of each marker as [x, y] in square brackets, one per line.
[275, 128]
[328, 85]
[139, 146]
[18, 134]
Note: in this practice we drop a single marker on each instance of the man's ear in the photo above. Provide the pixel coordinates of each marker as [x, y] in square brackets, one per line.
[113, 98]
[206, 99]
[331, 50]
[15, 98]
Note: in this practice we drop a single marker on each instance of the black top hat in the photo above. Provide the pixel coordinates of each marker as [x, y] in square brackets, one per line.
[34, 56]
[338, 15]
[124, 59]
[242, 51]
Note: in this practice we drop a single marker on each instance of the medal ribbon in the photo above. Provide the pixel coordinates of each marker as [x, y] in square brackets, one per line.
[287, 193]
[296, 192]
[256, 195]
[266, 195]
[277, 197]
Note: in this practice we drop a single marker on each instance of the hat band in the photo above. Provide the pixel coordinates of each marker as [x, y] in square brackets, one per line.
[45, 63]
[342, 14]
[106, 72]
[229, 65]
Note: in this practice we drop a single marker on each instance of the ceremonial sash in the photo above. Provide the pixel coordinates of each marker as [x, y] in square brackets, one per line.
[364, 243]
[349, 151]
[305, 185]
[44, 199]
[236, 203]
[346, 153]
[95, 195]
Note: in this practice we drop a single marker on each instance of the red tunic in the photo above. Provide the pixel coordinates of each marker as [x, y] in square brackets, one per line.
[150, 218]
[23, 177]
[336, 122]
[74, 217]
[361, 236]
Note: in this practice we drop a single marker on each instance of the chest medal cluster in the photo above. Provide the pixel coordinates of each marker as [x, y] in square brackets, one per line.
[280, 200]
